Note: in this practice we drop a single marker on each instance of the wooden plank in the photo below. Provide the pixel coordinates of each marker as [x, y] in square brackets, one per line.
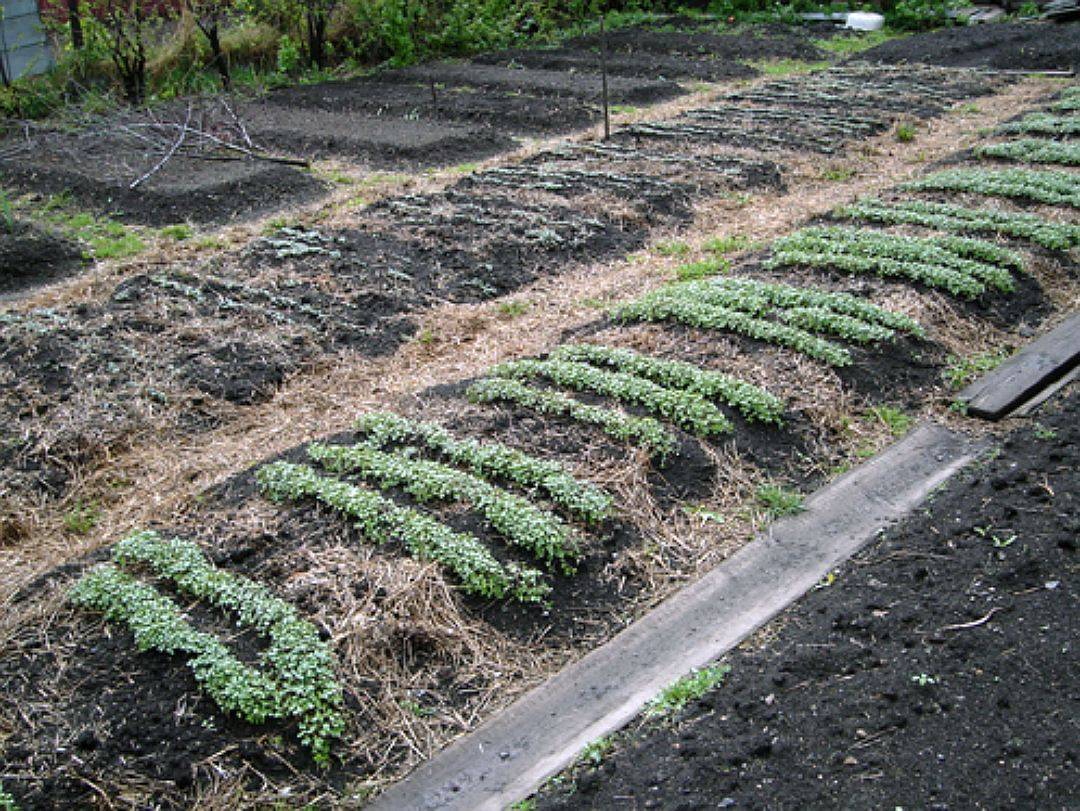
[1020, 378]
[510, 756]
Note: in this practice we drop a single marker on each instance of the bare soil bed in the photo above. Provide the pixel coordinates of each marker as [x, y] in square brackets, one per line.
[1001, 46]
[31, 256]
[932, 670]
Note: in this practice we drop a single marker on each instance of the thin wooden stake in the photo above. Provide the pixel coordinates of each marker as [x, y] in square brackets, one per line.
[603, 74]
[434, 97]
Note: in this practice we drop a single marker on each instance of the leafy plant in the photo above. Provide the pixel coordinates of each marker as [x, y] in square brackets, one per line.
[673, 249]
[7, 215]
[753, 402]
[381, 520]
[1039, 186]
[728, 244]
[702, 269]
[595, 752]
[644, 431]
[923, 680]
[778, 501]
[7, 802]
[960, 371]
[683, 408]
[960, 220]
[298, 680]
[1068, 101]
[893, 418]
[82, 517]
[1033, 150]
[905, 132]
[493, 460]
[512, 516]
[694, 685]
[1044, 124]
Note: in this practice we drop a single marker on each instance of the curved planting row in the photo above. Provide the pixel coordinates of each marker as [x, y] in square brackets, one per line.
[791, 317]
[962, 266]
[1037, 186]
[296, 680]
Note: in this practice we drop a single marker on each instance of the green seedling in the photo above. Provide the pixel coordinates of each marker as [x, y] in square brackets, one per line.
[594, 754]
[513, 309]
[838, 174]
[905, 132]
[702, 270]
[82, 517]
[690, 687]
[777, 501]
[730, 243]
[1044, 432]
[894, 419]
[961, 371]
[923, 680]
[673, 249]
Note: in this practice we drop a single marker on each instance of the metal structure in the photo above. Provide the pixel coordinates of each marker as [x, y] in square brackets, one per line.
[24, 49]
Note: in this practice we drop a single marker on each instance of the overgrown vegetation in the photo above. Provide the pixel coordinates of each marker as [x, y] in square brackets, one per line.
[964, 267]
[1033, 150]
[380, 520]
[960, 220]
[297, 681]
[1047, 186]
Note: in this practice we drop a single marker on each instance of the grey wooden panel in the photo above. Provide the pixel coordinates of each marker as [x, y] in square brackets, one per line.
[19, 8]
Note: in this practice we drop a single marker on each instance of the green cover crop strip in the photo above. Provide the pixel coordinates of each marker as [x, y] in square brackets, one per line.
[753, 402]
[1070, 100]
[683, 408]
[960, 220]
[1044, 124]
[679, 304]
[381, 520]
[585, 500]
[299, 679]
[961, 266]
[644, 431]
[1046, 186]
[515, 518]
[1033, 150]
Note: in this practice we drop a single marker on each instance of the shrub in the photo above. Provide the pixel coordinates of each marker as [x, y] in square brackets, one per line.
[753, 402]
[380, 520]
[644, 431]
[585, 500]
[298, 681]
[512, 516]
[1049, 187]
[683, 408]
[961, 220]
[1033, 150]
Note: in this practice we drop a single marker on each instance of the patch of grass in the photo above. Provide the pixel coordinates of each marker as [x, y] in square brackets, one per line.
[7, 212]
[624, 109]
[513, 309]
[177, 233]
[838, 174]
[892, 418]
[855, 43]
[729, 243]
[673, 249]
[690, 687]
[702, 269]
[960, 371]
[777, 501]
[905, 132]
[82, 517]
[788, 67]
[464, 168]
[593, 754]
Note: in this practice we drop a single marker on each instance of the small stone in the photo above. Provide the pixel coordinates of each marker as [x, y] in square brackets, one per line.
[850, 761]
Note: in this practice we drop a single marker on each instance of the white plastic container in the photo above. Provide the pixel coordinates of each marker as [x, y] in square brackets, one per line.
[864, 21]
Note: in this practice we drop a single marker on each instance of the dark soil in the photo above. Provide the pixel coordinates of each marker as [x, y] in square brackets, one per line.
[935, 671]
[186, 189]
[1002, 46]
[30, 256]
[764, 42]
[662, 66]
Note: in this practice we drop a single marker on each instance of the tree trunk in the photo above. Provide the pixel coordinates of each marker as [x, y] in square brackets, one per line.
[316, 29]
[75, 21]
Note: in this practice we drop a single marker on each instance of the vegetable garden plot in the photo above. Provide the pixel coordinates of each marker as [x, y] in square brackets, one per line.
[31, 256]
[1046, 186]
[750, 43]
[652, 66]
[1032, 150]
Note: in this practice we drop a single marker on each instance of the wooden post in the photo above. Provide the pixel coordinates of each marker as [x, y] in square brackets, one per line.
[603, 76]
[434, 97]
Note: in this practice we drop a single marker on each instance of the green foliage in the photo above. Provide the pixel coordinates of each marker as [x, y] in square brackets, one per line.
[585, 500]
[855, 42]
[694, 685]
[298, 680]
[893, 418]
[920, 15]
[1044, 124]
[7, 215]
[512, 516]
[381, 520]
[289, 56]
[644, 431]
[960, 220]
[702, 270]
[960, 371]
[594, 753]
[728, 244]
[753, 402]
[7, 802]
[838, 174]
[778, 501]
[964, 267]
[673, 249]
[683, 408]
[178, 233]
[788, 67]
[82, 517]
[1049, 187]
[905, 132]
[513, 309]
[1069, 100]
[1033, 150]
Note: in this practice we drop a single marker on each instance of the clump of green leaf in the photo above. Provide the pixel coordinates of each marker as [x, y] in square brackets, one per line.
[643, 431]
[694, 685]
[1044, 124]
[753, 402]
[1069, 100]
[492, 460]
[892, 418]
[7, 802]
[1039, 186]
[778, 501]
[298, 678]
[964, 267]
[960, 371]
[960, 220]
[516, 518]
[683, 408]
[381, 520]
[1033, 150]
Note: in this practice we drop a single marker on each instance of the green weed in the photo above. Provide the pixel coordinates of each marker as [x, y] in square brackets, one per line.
[702, 269]
[673, 249]
[178, 233]
[838, 174]
[694, 685]
[730, 243]
[905, 132]
[777, 501]
[513, 309]
[894, 419]
[594, 753]
[82, 517]
[960, 371]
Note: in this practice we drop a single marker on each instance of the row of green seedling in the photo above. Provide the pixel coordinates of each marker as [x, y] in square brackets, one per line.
[962, 266]
[1049, 187]
[1032, 150]
[295, 681]
[792, 317]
